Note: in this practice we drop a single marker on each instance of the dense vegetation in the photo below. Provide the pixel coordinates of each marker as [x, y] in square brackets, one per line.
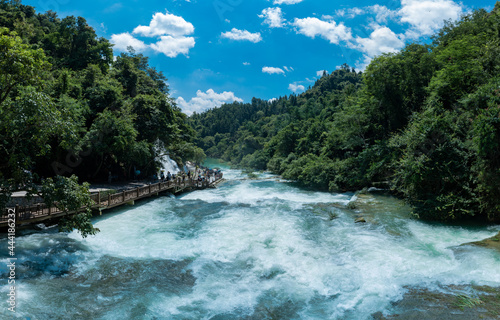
[425, 121]
[68, 108]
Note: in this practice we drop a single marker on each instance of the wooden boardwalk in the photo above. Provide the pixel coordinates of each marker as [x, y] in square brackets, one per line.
[40, 212]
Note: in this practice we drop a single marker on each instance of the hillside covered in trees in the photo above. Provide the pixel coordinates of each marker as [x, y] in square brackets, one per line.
[67, 107]
[425, 120]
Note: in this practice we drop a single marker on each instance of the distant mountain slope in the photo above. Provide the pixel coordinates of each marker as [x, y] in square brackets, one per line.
[424, 120]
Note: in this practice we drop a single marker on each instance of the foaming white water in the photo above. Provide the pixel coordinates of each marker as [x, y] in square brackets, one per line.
[246, 252]
[169, 165]
[258, 248]
[256, 192]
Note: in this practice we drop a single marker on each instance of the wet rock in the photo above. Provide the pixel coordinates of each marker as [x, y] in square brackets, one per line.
[491, 243]
[457, 303]
[351, 205]
[360, 220]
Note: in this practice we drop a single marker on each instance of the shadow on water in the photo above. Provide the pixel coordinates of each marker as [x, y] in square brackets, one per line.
[109, 289]
[40, 256]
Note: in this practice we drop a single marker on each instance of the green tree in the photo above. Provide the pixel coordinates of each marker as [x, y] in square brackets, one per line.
[72, 198]
[19, 64]
[112, 136]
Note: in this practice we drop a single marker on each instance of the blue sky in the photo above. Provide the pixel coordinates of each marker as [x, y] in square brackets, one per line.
[216, 51]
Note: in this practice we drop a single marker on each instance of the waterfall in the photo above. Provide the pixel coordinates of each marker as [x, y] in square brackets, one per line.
[162, 156]
[168, 164]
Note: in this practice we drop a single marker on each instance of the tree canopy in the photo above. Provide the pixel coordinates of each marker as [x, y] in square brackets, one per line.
[70, 113]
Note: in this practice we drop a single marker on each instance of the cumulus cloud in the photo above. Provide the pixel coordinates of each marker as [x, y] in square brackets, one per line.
[296, 87]
[242, 35]
[165, 24]
[273, 17]
[329, 30]
[287, 1]
[273, 70]
[171, 33]
[427, 16]
[381, 40]
[172, 47]
[206, 100]
[246, 63]
[124, 40]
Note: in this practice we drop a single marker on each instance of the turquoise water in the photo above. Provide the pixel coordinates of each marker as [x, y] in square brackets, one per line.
[250, 249]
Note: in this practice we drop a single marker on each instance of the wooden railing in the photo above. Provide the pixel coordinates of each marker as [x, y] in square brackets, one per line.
[41, 211]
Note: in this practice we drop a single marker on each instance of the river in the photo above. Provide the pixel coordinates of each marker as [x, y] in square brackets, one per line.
[250, 249]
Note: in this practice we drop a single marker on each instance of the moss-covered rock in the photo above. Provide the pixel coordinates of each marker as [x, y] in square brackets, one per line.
[492, 243]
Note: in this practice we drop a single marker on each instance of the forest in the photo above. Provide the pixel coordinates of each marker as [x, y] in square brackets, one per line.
[72, 113]
[423, 122]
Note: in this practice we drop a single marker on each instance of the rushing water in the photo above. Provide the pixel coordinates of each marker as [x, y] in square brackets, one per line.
[168, 165]
[250, 249]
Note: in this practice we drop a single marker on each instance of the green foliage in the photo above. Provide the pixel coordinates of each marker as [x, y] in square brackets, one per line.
[486, 143]
[70, 197]
[434, 170]
[19, 64]
[67, 108]
[187, 150]
[29, 122]
[464, 301]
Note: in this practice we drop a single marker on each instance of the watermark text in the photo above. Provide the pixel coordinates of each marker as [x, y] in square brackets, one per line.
[11, 264]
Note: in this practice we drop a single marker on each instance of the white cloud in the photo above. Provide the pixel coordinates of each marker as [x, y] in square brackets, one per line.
[427, 16]
[273, 17]
[272, 100]
[287, 1]
[273, 70]
[236, 34]
[362, 64]
[170, 30]
[329, 30]
[353, 12]
[382, 13]
[381, 40]
[320, 73]
[206, 100]
[246, 63]
[124, 40]
[171, 47]
[165, 24]
[296, 87]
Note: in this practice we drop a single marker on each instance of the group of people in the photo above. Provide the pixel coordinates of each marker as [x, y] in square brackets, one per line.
[199, 174]
[168, 177]
[206, 174]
